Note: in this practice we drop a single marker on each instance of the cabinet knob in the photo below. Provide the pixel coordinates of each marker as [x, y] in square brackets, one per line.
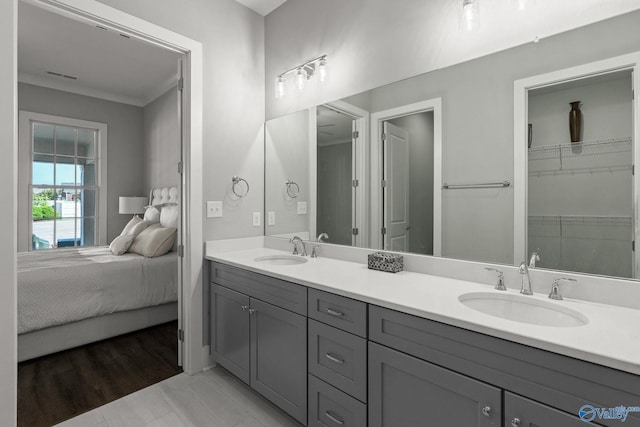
[515, 422]
[244, 307]
[486, 411]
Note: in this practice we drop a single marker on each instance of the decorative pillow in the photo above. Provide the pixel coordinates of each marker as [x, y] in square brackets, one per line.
[134, 226]
[154, 241]
[121, 244]
[152, 214]
[169, 215]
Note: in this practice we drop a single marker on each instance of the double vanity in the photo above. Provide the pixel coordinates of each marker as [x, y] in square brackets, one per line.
[333, 343]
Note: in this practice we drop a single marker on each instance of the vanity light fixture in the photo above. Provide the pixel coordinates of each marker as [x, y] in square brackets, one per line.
[470, 14]
[303, 73]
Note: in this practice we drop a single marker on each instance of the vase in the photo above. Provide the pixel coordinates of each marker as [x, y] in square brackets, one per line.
[575, 121]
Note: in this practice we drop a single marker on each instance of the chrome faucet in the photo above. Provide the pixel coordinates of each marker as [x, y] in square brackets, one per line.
[294, 241]
[322, 237]
[534, 257]
[500, 281]
[526, 281]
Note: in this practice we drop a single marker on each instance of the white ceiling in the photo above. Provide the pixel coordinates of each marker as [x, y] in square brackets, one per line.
[263, 7]
[333, 127]
[107, 65]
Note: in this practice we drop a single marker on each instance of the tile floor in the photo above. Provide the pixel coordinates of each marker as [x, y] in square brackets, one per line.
[212, 398]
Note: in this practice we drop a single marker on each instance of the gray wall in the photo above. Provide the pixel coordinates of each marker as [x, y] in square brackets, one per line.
[232, 38]
[369, 43]
[287, 141]
[334, 195]
[8, 246]
[420, 128]
[161, 141]
[125, 155]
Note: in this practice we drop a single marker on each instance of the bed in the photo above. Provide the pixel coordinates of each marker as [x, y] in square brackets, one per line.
[73, 296]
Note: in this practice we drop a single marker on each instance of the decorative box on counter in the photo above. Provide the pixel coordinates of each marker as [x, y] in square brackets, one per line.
[385, 262]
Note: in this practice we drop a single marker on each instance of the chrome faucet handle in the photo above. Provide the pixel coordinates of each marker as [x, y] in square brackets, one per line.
[295, 246]
[555, 288]
[314, 251]
[500, 283]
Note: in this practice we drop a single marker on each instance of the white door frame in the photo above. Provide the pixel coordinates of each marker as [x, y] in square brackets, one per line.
[521, 90]
[377, 118]
[192, 186]
[361, 154]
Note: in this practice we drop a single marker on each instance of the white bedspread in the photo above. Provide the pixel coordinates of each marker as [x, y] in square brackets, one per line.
[65, 285]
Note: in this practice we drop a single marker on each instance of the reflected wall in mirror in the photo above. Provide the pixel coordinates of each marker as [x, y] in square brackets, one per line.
[475, 126]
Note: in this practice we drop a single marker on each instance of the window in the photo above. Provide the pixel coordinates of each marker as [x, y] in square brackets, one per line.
[65, 182]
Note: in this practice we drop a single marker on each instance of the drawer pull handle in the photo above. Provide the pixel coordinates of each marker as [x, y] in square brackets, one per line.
[333, 312]
[334, 358]
[515, 422]
[486, 411]
[334, 418]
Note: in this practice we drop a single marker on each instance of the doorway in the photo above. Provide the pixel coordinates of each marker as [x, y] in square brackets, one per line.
[407, 179]
[575, 195]
[190, 230]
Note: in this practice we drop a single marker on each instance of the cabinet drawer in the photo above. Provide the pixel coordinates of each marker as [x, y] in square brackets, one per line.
[338, 358]
[329, 407]
[335, 310]
[278, 292]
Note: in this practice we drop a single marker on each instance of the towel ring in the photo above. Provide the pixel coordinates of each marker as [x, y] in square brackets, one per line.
[236, 180]
[292, 192]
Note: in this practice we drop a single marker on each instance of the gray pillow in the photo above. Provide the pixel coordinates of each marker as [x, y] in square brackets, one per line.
[121, 244]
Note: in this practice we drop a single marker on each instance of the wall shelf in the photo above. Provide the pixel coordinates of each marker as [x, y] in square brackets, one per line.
[589, 156]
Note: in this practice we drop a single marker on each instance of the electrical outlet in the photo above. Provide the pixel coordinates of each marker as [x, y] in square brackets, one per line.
[256, 219]
[271, 218]
[214, 209]
[302, 208]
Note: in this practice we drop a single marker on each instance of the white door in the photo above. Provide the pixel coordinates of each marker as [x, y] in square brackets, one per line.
[395, 192]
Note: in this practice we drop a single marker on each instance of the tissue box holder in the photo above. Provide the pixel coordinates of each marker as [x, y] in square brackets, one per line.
[381, 261]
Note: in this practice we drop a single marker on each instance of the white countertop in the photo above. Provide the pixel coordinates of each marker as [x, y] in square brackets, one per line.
[610, 338]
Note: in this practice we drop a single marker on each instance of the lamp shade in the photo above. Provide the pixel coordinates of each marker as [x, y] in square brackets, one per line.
[132, 205]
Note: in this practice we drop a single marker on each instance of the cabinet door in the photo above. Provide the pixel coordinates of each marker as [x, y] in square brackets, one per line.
[405, 391]
[230, 331]
[522, 412]
[279, 357]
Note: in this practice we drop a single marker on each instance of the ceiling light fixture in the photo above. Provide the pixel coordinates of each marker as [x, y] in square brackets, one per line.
[470, 14]
[303, 73]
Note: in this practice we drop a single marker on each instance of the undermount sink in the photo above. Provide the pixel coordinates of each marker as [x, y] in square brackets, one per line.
[525, 309]
[281, 260]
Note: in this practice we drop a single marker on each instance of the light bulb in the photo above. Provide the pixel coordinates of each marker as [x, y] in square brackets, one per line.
[470, 14]
[301, 79]
[280, 87]
[322, 70]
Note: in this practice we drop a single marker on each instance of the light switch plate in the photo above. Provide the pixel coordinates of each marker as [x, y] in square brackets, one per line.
[271, 218]
[256, 219]
[214, 209]
[302, 208]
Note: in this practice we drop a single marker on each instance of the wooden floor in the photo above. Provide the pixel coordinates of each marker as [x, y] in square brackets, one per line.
[60, 386]
[212, 398]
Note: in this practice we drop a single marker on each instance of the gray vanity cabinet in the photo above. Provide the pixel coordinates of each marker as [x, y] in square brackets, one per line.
[406, 391]
[231, 345]
[262, 343]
